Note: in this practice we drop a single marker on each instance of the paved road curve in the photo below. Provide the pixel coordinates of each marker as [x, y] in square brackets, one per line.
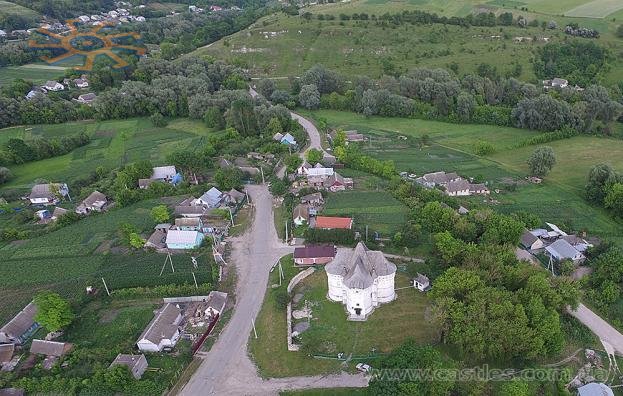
[600, 327]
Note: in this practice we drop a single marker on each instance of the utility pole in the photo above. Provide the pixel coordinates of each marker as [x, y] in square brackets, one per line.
[254, 331]
[106, 287]
[231, 216]
[262, 170]
[286, 238]
[196, 287]
[366, 233]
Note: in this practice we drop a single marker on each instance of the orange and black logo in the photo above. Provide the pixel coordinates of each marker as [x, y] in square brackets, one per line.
[89, 44]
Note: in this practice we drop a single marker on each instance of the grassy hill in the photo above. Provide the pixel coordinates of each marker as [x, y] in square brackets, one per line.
[9, 8]
[113, 143]
[280, 45]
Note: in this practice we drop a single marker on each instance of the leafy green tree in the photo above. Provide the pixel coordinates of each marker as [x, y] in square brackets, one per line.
[620, 31]
[158, 120]
[600, 178]
[314, 156]
[5, 175]
[274, 126]
[614, 199]
[309, 97]
[229, 178]
[241, 116]
[465, 105]
[160, 214]
[293, 162]
[515, 387]
[136, 241]
[542, 161]
[53, 312]
[410, 355]
[213, 118]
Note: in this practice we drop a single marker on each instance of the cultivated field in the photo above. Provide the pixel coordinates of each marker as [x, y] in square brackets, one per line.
[596, 9]
[369, 204]
[78, 255]
[9, 8]
[451, 148]
[36, 73]
[113, 144]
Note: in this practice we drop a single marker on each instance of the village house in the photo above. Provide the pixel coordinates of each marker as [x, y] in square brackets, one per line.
[137, 364]
[50, 348]
[189, 224]
[361, 279]
[19, 329]
[82, 82]
[87, 98]
[333, 223]
[595, 389]
[435, 179]
[163, 330]
[157, 240]
[314, 199]
[167, 174]
[183, 240]
[319, 171]
[34, 92]
[531, 242]
[191, 210]
[48, 194]
[233, 197]
[95, 202]
[421, 282]
[54, 86]
[555, 83]
[457, 188]
[58, 212]
[337, 183]
[211, 198]
[562, 250]
[288, 139]
[314, 254]
[300, 214]
[302, 169]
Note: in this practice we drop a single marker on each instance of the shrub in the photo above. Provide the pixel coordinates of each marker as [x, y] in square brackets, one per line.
[484, 148]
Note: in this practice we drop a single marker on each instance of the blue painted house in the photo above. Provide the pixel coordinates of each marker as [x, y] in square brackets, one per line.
[288, 139]
[183, 239]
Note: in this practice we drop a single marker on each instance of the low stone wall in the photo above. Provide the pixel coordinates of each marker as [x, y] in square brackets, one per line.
[293, 282]
[174, 300]
[299, 277]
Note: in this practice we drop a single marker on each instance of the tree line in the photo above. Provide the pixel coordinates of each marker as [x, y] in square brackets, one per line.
[439, 95]
[18, 151]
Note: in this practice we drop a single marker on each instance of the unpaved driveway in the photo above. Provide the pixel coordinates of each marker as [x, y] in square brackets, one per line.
[600, 327]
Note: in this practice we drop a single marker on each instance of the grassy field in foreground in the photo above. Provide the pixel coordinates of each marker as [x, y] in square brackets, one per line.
[8, 8]
[389, 326]
[269, 351]
[558, 199]
[113, 144]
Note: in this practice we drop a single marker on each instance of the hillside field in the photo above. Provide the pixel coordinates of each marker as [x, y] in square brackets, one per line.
[113, 144]
[281, 46]
[10, 8]
[36, 73]
[558, 199]
[572, 8]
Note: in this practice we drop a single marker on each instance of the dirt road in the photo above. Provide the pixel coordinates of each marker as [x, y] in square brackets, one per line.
[227, 368]
[600, 327]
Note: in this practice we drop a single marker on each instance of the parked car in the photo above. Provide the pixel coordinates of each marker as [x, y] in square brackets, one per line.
[364, 368]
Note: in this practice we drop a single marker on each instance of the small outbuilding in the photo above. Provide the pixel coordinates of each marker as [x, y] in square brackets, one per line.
[136, 363]
[421, 282]
[314, 254]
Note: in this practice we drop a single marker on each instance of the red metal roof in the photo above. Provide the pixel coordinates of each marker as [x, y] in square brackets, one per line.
[314, 251]
[334, 222]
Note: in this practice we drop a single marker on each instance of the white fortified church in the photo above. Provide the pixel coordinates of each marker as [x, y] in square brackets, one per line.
[361, 279]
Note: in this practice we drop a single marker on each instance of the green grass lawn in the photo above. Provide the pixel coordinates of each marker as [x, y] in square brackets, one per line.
[8, 8]
[113, 144]
[387, 327]
[68, 260]
[269, 350]
[558, 199]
